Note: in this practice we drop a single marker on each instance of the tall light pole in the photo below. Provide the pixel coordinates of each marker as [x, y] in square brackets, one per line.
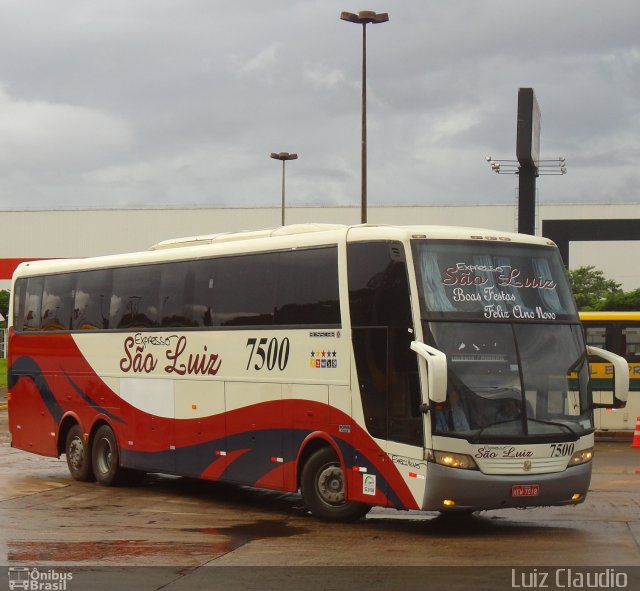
[284, 156]
[364, 17]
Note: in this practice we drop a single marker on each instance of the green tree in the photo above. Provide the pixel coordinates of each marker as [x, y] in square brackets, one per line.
[4, 303]
[591, 288]
[624, 301]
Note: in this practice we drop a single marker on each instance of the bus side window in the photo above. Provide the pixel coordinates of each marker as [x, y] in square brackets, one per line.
[596, 336]
[199, 303]
[57, 301]
[92, 299]
[177, 285]
[378, 285]
[380, 308]
[33, 304]
[244, 289]
[631, 342]
[19, 296]
[307, 290]
[135, 297]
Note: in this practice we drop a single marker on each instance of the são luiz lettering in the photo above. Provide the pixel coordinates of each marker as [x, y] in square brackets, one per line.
[180, 361]
[463, 274]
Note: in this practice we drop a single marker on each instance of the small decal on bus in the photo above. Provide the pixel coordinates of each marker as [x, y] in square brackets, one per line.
[369, 485]
[323, 359]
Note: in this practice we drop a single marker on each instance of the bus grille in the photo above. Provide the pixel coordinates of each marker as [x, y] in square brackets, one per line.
[517, 465]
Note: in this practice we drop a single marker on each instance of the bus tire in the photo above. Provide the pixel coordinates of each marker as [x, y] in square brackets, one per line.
[323, 489]
[105, 457]
[78, 455]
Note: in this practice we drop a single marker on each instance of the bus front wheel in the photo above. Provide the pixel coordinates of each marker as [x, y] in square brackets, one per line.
[78, 455]
[323, 489]
[106, 464]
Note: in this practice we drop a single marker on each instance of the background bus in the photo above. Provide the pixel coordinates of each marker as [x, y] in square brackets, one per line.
[424, 367]
[618, 332]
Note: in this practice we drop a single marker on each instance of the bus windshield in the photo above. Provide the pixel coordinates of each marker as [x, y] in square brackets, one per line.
[479, 280]
[505, 318]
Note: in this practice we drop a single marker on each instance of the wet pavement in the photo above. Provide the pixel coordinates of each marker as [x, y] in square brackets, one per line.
[182, 525]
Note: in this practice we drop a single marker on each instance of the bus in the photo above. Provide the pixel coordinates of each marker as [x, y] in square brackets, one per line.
[417, 368]
[618, 332]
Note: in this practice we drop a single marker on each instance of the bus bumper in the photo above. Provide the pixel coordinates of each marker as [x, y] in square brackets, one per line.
[451, 489]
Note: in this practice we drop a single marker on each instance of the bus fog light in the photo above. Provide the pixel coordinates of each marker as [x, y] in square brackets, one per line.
[454, 460]
[581, 457]
[449, 503]
[576, 496]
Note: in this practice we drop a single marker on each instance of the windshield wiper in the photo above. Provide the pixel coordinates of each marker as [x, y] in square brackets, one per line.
[555, 424]
[478, 437]
[496, 392]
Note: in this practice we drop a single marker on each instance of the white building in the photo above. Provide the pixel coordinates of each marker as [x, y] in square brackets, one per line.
[81, 233]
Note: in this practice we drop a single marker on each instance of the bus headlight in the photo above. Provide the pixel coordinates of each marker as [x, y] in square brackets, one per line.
[452, 460]
[581, 457]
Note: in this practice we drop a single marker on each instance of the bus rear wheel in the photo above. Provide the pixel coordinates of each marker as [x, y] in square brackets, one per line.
[105, 456]
[78, 455]
[323, 489]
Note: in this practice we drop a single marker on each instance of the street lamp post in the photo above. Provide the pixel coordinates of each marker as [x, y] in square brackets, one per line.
[364, 17]
[284, 156]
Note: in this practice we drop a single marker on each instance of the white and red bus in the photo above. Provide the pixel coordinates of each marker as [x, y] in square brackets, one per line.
[426, 368]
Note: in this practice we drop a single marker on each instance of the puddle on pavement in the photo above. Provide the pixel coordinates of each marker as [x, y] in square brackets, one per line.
[241, 534]
[229, 539]
[27, 485]
[33, 552]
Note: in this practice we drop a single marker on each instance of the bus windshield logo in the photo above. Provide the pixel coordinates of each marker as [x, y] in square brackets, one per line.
[464, 274]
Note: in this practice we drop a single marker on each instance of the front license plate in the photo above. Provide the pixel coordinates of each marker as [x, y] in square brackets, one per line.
[525, 490]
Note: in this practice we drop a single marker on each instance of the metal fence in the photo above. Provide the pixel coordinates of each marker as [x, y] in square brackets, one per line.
[3, 343]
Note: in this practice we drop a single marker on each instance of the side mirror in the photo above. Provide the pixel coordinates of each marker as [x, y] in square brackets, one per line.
[436, 370]
[620, 372]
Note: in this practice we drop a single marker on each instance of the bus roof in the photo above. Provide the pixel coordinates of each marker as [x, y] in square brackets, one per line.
[292, 236]
[443, 232]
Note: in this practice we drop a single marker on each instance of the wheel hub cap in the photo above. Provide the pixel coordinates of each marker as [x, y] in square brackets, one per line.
[331, 485]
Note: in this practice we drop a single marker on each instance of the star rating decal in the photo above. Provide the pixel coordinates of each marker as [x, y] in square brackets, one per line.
[323, 359]
[321, 354]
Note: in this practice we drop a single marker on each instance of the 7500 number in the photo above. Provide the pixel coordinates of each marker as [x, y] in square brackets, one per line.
[562, 449]
[268, 353]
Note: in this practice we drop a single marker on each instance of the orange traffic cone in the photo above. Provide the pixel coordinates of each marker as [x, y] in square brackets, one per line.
[636, 434]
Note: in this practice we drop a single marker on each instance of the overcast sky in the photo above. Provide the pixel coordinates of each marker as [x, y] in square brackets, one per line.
[143, 103]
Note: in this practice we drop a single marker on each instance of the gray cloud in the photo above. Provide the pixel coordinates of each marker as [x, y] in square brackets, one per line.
[154, 102]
